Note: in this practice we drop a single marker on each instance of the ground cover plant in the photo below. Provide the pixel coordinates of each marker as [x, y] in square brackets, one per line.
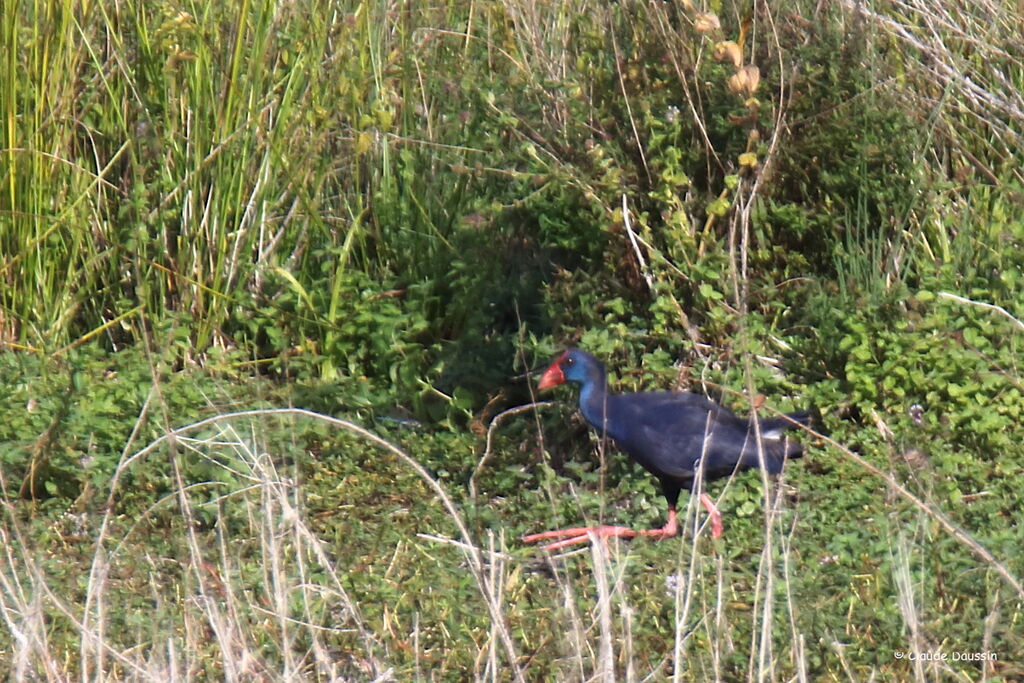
[275, 277]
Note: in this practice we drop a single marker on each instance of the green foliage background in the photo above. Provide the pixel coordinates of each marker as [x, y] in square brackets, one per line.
[393, 211]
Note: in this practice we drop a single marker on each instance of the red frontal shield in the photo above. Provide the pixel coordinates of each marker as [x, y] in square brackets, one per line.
[552, 377]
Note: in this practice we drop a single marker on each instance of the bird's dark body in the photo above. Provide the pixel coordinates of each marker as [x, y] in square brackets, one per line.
[671, 434]
[680, 438]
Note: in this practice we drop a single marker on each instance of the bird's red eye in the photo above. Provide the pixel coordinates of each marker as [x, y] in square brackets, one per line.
[569, 361]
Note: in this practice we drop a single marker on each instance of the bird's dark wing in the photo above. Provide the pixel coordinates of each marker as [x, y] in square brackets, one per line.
[665, 432]
[670, 433]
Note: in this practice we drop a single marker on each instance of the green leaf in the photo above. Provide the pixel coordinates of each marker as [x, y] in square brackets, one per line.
[719, 207]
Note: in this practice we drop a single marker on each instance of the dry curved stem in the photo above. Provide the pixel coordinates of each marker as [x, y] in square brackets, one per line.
[960, 535]
[982, 304]
[472, 552]
[490, 436]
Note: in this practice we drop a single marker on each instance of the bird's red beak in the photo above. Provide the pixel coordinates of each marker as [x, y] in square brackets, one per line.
[552, 377]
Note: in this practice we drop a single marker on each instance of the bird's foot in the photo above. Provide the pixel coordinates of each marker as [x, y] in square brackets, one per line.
[713, 514]
[579, 535]
[585, 533]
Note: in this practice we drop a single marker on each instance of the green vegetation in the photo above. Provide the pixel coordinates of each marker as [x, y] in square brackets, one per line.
[221, 223]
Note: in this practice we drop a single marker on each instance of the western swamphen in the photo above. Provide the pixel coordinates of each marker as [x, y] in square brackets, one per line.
[670, 434]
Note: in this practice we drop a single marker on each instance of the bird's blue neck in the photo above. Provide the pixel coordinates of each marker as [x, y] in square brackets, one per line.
[593, 397]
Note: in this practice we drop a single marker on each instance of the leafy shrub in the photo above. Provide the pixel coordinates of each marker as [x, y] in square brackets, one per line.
[65, 423]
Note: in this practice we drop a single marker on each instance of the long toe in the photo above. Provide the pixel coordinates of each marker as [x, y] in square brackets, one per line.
[584, 533]
[557, 533]
[567, 542]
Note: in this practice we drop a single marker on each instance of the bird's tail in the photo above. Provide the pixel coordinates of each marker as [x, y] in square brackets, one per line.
[773, 427]
[778, 446]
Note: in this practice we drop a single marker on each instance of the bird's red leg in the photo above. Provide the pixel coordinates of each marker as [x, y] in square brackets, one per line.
[584, 533]
[716, 517]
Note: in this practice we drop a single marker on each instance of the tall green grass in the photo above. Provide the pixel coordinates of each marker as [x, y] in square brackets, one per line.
[211, 164]
[168, 159]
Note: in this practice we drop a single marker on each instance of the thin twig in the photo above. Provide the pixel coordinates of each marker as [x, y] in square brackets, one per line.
[982, 304]
[644, 270]
[490, 436]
